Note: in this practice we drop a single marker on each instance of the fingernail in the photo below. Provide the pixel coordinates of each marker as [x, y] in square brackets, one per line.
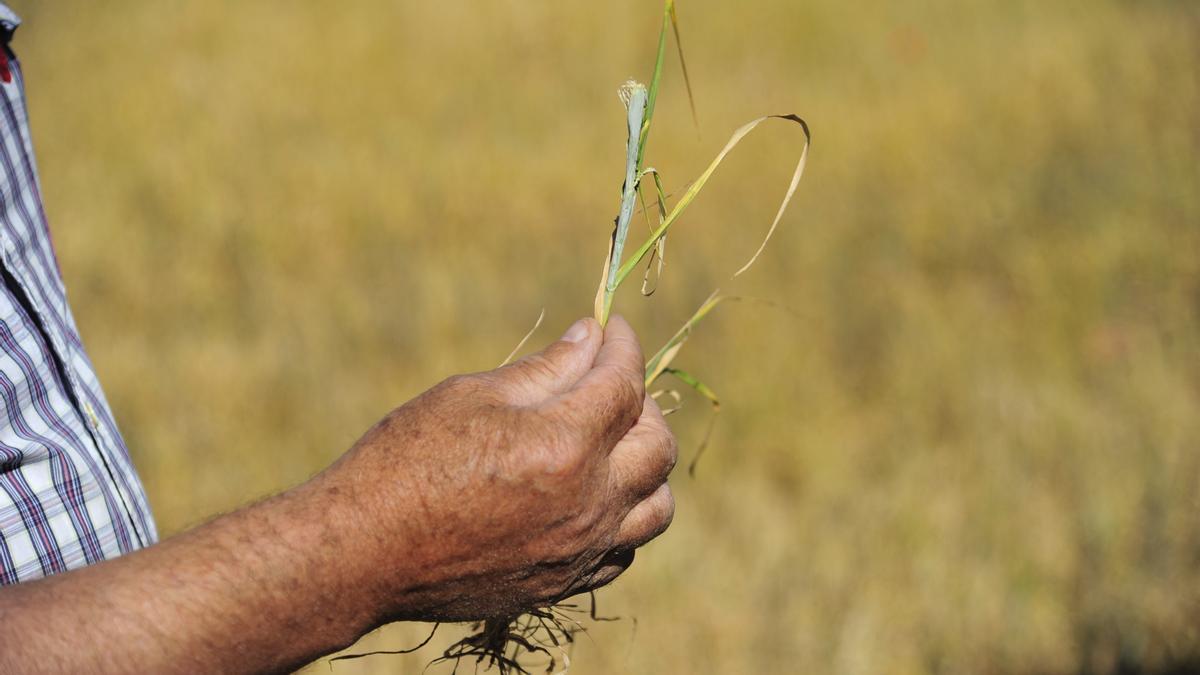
[576, 332]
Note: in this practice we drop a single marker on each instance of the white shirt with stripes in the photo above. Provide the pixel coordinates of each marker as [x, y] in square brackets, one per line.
[69, 494]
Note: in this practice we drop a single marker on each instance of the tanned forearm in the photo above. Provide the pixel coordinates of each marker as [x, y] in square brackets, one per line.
[267, 588]
[485, 496]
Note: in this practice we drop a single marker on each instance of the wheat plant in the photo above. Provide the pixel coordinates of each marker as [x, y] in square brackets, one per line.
[506, 644]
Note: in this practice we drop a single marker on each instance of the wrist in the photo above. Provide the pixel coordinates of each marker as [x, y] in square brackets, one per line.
[331, 564]
[370, 562]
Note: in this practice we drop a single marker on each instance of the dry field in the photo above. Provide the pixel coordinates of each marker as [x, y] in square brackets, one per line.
[975, 448]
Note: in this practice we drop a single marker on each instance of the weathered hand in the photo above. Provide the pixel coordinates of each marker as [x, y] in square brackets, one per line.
[485, 496]
[499, 491]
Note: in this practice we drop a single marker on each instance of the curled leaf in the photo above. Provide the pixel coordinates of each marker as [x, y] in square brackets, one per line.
[659, 254]
[712, 422]
[697, 185]
[674, 395]
[702, 389]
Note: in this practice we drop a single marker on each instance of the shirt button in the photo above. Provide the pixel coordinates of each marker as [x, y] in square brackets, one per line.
[91, 413]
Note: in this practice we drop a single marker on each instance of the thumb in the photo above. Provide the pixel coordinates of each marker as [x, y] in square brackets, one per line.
[556, 368]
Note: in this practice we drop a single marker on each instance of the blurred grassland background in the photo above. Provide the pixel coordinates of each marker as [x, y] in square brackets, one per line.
[975, 449]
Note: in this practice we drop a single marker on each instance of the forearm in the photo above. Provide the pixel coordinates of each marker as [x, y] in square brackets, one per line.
[486, 496]
[266, 588]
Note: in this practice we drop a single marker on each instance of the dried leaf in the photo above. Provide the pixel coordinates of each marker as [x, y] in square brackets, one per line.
[536, 325]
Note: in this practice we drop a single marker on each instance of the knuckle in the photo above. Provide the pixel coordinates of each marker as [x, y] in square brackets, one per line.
[462, 385]
[664, 511]
[484, 388]
[670, 450]
[556, 463]
[626, 336]
[454, 383]
[535, 368]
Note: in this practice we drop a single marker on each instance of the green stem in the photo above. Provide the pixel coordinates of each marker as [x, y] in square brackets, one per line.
[636, 112]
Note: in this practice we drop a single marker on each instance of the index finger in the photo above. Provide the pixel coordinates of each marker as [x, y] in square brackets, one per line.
[607, 400]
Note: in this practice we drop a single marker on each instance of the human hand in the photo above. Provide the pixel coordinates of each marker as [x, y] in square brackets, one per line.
[486, 496]
[496, 492]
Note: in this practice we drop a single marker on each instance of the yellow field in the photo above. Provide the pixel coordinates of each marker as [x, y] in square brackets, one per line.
[976, 448]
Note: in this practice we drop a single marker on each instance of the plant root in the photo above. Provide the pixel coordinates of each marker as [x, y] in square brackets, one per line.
[507, 644]
[504, 643]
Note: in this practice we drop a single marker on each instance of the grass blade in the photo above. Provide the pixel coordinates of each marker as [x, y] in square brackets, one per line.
[655, 79]
[660, 362]
[687, 81]
[712, 422]
[693, 382]
[659, 253]
[666, 354]
[670, 20]
[536, 324]
[694, 189]
[786, 198]
[702, 389]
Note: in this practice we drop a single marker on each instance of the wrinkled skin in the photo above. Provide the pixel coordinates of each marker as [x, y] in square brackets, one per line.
[487, 495]
[516, 487]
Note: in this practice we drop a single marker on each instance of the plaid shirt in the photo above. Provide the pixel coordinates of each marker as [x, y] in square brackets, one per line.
[69, 495]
